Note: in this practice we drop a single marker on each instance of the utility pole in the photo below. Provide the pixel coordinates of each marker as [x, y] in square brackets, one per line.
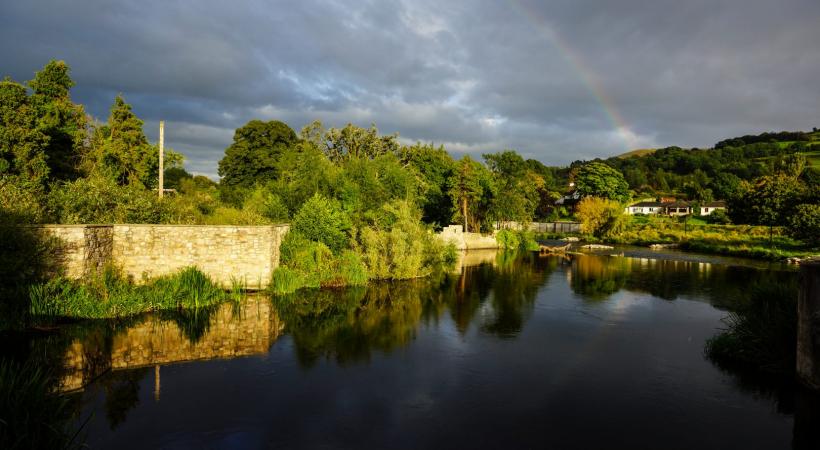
[161, 158]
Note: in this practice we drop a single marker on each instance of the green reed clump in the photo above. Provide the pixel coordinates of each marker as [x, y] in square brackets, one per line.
[517, 240]
[109, 294]
[32, 415]
[763, 332]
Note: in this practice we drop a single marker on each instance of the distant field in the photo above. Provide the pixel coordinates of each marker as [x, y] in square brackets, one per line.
[638, 152]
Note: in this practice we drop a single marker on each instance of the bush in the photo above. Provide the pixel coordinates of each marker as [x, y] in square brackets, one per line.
[600, 217]
[266, 204]
[516, 240]
[804, 224]
[100, 200]
[322, 220]
[718, 217]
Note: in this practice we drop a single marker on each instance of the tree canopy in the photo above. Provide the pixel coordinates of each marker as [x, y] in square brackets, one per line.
[255, 153]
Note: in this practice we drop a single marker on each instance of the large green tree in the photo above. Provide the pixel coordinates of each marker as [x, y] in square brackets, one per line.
[600, 180]
[472, 190]
[435, 167]
[518, 185]
[60, 119]
[255, 153]
[121, 151]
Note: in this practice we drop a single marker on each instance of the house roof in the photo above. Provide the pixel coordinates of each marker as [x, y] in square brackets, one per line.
[716, 204]
[647, 204]
[677, 204]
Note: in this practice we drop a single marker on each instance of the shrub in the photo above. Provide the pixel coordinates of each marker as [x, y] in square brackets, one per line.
[804, 224]
[516, 240]
[101, 200]
[718, 217]
[600, 217]
[266, 204]
[322, 220]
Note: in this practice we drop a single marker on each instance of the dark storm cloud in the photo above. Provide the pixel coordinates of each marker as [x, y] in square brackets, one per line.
[549, 79]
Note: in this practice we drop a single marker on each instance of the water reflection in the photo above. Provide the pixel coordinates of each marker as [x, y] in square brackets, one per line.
[519, 319]
[227, 331]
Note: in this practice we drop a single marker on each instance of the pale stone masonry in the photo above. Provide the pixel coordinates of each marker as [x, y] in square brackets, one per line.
[248, 254]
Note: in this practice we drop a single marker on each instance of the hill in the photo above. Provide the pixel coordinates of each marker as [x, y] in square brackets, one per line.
[637, 153]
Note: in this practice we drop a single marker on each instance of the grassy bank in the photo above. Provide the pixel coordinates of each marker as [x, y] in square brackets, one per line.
[110, 295]
[729, 240]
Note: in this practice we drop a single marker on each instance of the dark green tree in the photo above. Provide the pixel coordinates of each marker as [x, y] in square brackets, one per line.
[600, 180]
[517, 184]
[472, 190]
[254, 155]
[435, 166]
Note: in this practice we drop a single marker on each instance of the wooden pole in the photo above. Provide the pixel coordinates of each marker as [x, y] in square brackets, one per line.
[808, 324]
[161, 158]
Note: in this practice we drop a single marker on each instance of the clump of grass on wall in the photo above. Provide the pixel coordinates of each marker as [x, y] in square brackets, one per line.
[763, 332]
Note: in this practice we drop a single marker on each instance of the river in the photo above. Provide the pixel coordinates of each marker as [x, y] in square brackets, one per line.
[582, 351]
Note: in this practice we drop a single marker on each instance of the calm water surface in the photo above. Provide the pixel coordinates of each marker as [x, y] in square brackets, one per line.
[587, 351]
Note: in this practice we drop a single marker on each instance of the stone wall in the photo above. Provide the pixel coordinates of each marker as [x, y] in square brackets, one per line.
[246, 253]
[467, 241]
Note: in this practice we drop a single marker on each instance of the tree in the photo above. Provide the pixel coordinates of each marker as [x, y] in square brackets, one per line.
[804, 224]
[121, 151]
[599, 180]
[254, 155]
[352, 142]
[599, 216]
[435, 166]
[769, 201]
[471, 190]
[60, 119]
[322, 220]
[518, 185]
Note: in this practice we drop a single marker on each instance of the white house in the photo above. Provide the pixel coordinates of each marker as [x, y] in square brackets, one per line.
[710, 207]
[645, 208]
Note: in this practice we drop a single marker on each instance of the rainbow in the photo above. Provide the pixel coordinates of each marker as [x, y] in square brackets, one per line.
[586, 74]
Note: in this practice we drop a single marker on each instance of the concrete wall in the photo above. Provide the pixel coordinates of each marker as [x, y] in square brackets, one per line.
[246, 253]
[543, 227]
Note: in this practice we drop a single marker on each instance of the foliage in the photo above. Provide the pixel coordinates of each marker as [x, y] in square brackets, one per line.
[121, 151]
[435, 167]
[597, 179]
[108, 294]
[100, 199]
[718, 217]
[517, 240]
[398, 246]
[266, 204]
[322, 220]
[600, 217]
[254, 155]
[804, 223]
[518, 185]
[763, 332]
[472, 190]
[351, 142]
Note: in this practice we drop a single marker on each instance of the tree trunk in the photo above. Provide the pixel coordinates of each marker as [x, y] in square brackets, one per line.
[464, 212]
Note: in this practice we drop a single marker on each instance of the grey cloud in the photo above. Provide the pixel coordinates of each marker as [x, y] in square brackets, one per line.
[475, 75]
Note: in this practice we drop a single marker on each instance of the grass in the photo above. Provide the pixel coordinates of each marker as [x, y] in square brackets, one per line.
[32, 415]
[761, 334]
[730, 240]
[109, 295]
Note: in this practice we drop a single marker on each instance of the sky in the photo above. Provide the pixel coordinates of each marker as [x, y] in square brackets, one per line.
[556, 80]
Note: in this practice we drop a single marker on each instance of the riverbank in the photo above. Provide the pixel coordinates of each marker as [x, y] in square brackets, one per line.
[726, 240]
